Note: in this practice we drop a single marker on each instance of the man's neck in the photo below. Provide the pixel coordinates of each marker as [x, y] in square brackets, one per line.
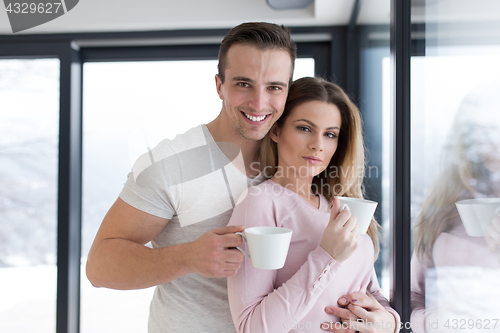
[248, 159]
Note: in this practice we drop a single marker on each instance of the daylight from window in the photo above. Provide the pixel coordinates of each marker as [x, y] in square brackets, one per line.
[29, 124]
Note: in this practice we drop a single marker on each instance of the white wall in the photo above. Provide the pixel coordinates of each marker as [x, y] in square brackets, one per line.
[132, 15]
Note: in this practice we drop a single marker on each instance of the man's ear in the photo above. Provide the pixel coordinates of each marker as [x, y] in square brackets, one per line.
[218, 86]
[275, 132]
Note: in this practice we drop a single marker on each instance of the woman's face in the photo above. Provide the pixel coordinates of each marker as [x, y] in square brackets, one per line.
[482, 141]
[308, 139]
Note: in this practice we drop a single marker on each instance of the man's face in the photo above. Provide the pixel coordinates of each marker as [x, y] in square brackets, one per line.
[255, 89]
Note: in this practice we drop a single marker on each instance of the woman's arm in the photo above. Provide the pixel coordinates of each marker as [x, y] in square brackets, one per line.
[257, 303]
[419, 313]
[256, 306]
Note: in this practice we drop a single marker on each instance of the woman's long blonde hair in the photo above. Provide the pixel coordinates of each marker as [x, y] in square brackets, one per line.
[345, 172]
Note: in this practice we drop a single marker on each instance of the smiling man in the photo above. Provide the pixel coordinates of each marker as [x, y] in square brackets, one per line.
[254, 97]
[181, 194]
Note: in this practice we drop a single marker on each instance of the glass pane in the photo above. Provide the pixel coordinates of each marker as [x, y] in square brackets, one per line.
[456, 157]
[128, 107]
[303, 67]
[29, 123]
[374, 95]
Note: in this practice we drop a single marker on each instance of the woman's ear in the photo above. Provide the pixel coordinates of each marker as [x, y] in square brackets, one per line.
[275, 133]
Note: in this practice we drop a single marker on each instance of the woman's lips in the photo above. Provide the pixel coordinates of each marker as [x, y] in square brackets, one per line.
[312, 159]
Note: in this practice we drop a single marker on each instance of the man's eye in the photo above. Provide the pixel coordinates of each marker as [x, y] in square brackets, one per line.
[275, 88]
[243, 84]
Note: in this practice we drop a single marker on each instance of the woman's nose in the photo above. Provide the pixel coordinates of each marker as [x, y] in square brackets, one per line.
[316, 143]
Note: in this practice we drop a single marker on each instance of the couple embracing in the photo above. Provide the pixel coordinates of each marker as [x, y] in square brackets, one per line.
[182, 195]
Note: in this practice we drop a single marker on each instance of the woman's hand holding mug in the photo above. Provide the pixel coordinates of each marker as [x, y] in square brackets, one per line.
[341, 236]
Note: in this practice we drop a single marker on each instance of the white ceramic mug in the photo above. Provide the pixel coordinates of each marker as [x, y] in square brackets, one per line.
[268, 246]
[362, 209]
[477, 214]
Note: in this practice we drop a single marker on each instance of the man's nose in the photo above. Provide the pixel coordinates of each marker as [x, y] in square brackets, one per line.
[259, 101]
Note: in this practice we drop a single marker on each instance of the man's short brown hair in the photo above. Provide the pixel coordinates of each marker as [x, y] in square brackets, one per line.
[262, 35]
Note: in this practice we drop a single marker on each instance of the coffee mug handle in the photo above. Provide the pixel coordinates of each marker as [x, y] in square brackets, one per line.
[241, 234]
[344, 207]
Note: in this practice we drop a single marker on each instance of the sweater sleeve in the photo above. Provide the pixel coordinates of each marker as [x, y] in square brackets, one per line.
[257, 307]
[419, 313]
[257, 304]
[376, 291]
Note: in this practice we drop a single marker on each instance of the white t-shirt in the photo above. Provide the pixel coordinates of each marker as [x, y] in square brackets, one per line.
[190, 181]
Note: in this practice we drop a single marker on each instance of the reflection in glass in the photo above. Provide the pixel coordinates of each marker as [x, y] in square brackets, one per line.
[456, 157]
[29, 121]
[455, 269]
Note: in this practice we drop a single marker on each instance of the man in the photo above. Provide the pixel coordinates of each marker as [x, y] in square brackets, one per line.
[180, 195]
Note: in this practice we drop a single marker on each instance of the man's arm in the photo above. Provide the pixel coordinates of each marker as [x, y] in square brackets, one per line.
[118, 258]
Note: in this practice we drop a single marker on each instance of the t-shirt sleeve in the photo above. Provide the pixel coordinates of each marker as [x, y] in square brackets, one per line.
[147, 186]
[256, 303]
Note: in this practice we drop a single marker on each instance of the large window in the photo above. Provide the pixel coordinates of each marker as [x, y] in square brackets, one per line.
[455, 145]
[455, 154]
[29, 121]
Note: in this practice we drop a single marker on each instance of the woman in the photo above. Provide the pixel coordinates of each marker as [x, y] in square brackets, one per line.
[314, 153]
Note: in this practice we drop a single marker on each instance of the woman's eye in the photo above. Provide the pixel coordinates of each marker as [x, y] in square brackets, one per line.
[331, 135]
[304, 128]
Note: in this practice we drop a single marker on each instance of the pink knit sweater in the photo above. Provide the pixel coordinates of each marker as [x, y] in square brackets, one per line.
[293, 299]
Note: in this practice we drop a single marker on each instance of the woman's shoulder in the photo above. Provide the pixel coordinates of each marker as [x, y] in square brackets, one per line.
[267, 194]
[255, 207]
[256, 194]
